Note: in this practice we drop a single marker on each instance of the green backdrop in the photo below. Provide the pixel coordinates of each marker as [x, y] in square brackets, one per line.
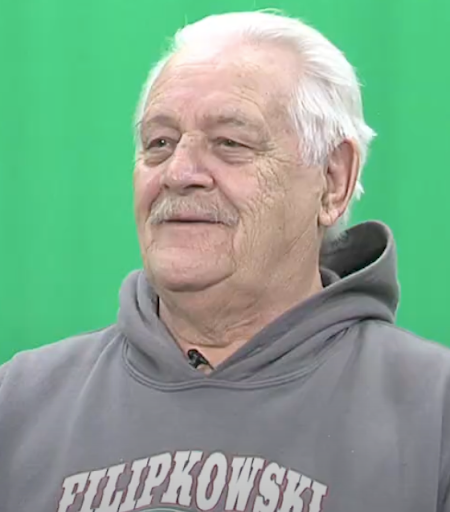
[71, 73]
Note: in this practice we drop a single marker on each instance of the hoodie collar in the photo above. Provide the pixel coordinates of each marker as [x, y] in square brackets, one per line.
[360, 283]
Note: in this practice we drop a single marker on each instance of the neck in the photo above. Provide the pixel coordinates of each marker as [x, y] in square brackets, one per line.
[217, 322]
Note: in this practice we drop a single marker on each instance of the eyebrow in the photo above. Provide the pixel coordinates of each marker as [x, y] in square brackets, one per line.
[238, 121]
[158, 120]
[213, 121]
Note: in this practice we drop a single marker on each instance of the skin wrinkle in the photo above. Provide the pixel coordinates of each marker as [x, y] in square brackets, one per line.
[220, 285]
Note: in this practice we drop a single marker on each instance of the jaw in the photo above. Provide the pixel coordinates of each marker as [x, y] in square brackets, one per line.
[187, 265]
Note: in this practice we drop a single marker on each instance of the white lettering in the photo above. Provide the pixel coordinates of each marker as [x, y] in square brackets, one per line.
[130, 500]
[319, 492]
[72, 486]
[184, 480]
[110, 493]
[292, 500]
[219, 461]
[269, 488]
[95, 478]
[242, 482]
[180, 485]
[159, 469]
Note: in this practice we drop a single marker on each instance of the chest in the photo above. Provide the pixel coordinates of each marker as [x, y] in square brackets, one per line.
[276, 450]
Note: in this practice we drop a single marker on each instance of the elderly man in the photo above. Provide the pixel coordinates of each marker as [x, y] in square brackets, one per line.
[255, 365]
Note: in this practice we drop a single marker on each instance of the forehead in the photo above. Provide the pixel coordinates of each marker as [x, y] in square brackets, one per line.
[238, 80]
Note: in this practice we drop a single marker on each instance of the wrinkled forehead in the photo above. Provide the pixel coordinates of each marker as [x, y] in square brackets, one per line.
[263, 75]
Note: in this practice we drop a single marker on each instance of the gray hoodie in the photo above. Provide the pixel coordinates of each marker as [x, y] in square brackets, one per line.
[331, 408]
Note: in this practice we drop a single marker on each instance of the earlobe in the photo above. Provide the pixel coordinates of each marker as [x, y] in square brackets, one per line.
[341, 176]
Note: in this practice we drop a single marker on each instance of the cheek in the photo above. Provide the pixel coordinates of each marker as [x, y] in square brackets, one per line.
[266, 197]
[146, 184]
[255, 201]
[241, 188]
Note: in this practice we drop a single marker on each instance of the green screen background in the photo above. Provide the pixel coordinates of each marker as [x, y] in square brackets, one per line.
[71, 73]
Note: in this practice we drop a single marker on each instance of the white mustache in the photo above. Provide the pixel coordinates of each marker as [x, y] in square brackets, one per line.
[170, 208]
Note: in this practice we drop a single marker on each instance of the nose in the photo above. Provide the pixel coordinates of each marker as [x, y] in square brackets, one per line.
[186, 171]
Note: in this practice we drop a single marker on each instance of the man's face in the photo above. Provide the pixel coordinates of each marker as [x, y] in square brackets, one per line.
[220, 191]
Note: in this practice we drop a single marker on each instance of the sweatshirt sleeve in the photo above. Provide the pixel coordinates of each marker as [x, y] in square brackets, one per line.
[444, 483]
[445, 492]
[3, 370]
[446, 502]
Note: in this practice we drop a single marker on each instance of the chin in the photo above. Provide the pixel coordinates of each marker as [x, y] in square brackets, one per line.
[186, 272]
[184, 278]
[186, 283]
[184, 286]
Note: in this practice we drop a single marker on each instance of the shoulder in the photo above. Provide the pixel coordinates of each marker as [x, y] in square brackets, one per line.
[402, 368]
[394, 345]
[413, 375]
[55, 365]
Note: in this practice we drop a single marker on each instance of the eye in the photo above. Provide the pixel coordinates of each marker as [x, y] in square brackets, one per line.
[155, 151]
[159, 143]
[229, 143]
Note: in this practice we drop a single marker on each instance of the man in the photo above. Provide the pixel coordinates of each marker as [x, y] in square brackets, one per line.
[254, 365]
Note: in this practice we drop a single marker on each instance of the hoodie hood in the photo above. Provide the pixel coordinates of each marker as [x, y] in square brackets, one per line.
[360, 283]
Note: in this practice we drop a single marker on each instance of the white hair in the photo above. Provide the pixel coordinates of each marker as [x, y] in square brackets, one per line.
[327, 105]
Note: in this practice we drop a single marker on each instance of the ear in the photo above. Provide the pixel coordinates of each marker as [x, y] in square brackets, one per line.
[341, 175]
